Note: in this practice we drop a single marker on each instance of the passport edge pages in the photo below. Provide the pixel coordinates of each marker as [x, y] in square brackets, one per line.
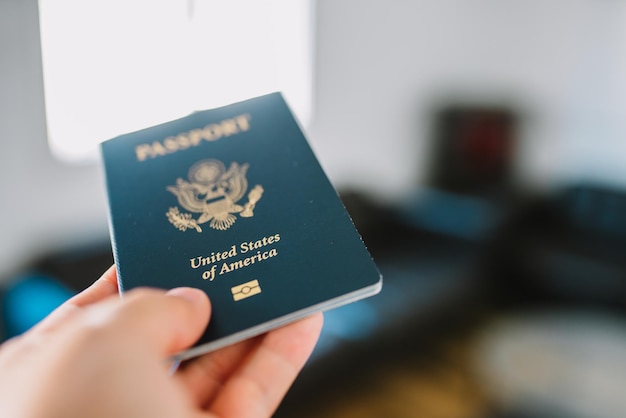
[135, 223]
[280, 321]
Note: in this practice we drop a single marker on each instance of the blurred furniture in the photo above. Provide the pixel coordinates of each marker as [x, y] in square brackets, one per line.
[563, 249]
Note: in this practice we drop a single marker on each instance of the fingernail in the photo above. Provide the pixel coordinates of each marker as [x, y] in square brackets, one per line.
[192, 294]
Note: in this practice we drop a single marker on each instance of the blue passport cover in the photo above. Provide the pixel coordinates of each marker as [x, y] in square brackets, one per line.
[233, 201]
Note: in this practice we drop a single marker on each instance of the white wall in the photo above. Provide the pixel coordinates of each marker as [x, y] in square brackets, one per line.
[43, 203]
[381, 66]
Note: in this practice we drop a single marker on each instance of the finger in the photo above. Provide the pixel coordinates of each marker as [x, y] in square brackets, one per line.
[256, 388]
[155, 321]
[102, 288]
[204, 376]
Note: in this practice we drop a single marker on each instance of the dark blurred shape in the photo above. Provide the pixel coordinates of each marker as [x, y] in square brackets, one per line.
[565, 248]
[473, 149]
[596, 210]
[77, 268]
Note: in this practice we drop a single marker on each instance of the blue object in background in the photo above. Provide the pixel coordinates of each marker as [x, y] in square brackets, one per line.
[28, 300]
[449, 214]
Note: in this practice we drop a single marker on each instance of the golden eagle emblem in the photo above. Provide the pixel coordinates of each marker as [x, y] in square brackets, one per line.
[213, 192]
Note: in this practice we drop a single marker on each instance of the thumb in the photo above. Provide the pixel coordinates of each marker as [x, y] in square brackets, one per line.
[161, 322]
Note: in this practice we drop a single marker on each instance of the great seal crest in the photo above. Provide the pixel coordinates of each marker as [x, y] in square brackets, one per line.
[213, 192]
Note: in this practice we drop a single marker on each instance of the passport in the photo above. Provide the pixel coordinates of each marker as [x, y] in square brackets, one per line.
[232, 200]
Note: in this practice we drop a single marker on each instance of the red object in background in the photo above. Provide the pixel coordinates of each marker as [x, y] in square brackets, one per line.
[485, 143]
[474, 149]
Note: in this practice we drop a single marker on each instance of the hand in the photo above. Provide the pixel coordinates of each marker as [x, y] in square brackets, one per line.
[101, 356]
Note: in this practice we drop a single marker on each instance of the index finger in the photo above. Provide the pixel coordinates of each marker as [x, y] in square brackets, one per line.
[105, 286]
[102, 288]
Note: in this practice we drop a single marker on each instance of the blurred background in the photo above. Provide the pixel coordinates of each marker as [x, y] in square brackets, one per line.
[479, 146]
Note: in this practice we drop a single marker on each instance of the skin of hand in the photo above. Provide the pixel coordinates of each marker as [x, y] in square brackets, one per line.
[99, 355]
